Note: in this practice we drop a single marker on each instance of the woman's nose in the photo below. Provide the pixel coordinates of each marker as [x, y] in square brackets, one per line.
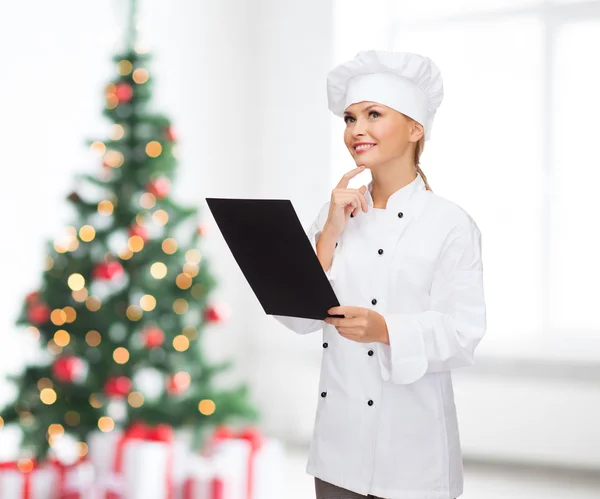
[360, 128]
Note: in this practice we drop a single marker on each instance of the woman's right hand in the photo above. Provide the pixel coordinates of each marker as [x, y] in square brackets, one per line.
[343, 202]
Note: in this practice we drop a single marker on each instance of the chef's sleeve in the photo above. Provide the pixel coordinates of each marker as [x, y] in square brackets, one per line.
[445, 336]
[302, 325]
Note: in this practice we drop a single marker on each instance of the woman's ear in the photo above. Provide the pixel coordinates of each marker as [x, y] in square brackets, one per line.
[416, 131]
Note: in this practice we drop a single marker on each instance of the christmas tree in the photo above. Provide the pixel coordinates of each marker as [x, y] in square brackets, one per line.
[124, 298]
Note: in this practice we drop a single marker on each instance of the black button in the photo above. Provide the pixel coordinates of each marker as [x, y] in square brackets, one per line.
[336, 245]
[370, 402]
[370, 353]
[323, 394]
[380, 251]
[351, 215]
[325, 345]
[374, 301]
[400, 215]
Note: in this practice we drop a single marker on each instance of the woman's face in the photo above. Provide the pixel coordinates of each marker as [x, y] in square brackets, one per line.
[385, 134]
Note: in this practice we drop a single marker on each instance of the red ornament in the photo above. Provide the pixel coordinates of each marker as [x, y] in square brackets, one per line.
[202, 229]
[215, 313]
[117, 387]
[138, 230]
[124, 92]
[38, 313]
[67, 369]
[178, 383]
[32, 297]
[153, 337]
[160, 187]
[170, 134]
[105, 271]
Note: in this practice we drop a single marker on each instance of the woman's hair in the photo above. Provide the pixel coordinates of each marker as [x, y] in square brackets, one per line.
[418, 150]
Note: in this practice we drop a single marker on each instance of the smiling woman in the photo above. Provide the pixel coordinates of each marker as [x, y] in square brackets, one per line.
[409, 280]
[376, 134]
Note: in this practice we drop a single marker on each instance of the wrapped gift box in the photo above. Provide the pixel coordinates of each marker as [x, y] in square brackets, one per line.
[137, 463]
[41, 482]
[254, 461]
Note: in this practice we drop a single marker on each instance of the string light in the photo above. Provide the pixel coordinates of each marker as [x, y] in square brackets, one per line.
[140, 76]
[53, 348]
[70, 313]
[148, 303]
[183, 281]
[206, 407]
[158, 270]
[93, 303]
[180, 306]
[135, 399]
[134, 313]
[147, 200]
[44, 383]
[98, 148]
[139, 219]
[135, 243]
[193, 256]
[125, 254]
[34, 331]
[62, 338]
[181, 343]
[80, 295]
[76, 282]
[169, 246]
[87, 233]
[105, 208]
[55, 430]
[160, 217]
[124, 67]
[58, 317]
[121, 355]
[83, 449]
[48, 396]
[25, 465]
[114, 159]
[93, 338]
[106, 424]
[95, 401]
[48, 263]
[153, 149]
[191, 269]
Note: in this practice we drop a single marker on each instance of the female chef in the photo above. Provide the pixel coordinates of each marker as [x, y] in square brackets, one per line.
[406, 267]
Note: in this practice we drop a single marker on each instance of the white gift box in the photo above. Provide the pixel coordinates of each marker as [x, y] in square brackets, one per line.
[43, 483]
[148, 468]
[267, 470]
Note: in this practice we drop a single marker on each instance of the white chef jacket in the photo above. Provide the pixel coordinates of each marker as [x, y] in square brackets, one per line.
[386, 421]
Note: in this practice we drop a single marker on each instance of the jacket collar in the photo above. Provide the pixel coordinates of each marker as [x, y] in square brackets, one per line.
[401, 197]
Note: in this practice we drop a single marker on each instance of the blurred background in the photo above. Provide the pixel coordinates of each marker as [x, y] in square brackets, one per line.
[243, 85]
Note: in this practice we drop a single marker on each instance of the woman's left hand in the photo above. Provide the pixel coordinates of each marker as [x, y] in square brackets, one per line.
[359, 324]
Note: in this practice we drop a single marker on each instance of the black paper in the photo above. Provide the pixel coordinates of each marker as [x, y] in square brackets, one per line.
[273, 252]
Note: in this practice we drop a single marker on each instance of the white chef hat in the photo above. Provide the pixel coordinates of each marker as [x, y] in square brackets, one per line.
[409, 83]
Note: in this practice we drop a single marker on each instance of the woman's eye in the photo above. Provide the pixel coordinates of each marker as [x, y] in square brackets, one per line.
[346, 118]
